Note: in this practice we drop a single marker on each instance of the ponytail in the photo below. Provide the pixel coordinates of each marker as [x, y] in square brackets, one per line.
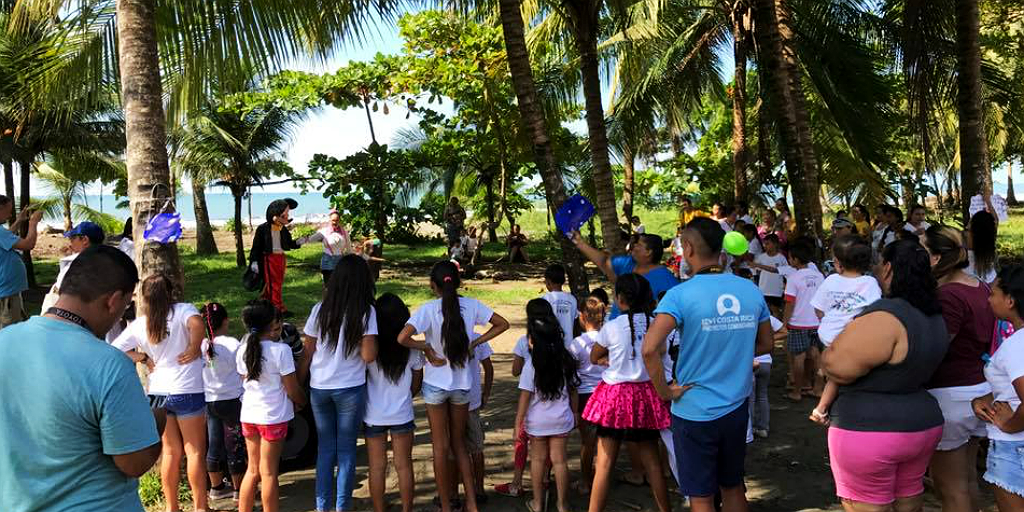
[948, 244]
[445, 276]
[157, 293]
[214, 316]
[635, 291]
[258, 315]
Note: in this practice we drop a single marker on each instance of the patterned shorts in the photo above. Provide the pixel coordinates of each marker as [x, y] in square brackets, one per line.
[801, 340]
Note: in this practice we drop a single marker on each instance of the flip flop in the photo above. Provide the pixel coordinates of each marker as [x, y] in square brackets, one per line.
[507, 489]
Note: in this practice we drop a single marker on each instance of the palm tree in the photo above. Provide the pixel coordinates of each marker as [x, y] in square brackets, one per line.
[240, 151]
[532, 116]
[64, 176]
[975, 174]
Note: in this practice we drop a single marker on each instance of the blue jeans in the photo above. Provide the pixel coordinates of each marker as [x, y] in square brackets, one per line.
[339, 416]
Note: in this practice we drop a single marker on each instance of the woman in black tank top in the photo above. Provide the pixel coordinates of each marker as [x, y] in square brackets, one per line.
[885, 425]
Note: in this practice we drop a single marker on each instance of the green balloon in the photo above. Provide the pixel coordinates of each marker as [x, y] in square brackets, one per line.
[735, 243]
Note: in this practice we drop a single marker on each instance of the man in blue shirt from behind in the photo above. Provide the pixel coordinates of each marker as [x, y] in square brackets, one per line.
[723, 322]
[76, 430]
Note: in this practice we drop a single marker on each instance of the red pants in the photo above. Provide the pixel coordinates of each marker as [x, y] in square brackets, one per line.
[522, 450]
[273, 274]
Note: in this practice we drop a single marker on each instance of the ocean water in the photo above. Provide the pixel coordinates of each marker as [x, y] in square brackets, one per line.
[313, 207]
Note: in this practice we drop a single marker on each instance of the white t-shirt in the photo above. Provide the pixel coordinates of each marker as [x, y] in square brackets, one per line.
[677, 246]
[1006, 366]
[265, 401]
[776, 327]
[64, 264]
[725, 225]
[840, 299]
[800, 289]
[545, 417]
[590, 373]
[747, 218]
[481, 352]
[624, 365]
[428, 321]
[335, 369]
[770, 283]
[390, 403]
[220, 374]
[564, 305]
[168, 377]
[522, 348]
[640, 229]
[910, 227]
[472, 243]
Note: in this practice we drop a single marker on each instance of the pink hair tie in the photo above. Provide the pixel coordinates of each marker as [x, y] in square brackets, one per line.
[447, 279]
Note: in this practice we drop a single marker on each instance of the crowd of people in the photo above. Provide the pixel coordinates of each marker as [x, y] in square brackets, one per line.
[910, 341]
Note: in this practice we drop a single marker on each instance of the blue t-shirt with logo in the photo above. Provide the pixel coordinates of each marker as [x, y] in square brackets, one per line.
[13, 278]
[70, 402]
[717, 316]
[661, 278]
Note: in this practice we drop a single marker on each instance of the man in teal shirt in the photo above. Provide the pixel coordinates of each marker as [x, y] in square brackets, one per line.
[13, 278]
[76, 430]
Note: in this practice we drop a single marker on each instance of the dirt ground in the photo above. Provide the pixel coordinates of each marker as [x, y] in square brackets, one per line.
[789, 471]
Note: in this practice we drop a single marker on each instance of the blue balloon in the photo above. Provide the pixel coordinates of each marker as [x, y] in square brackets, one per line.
[573, 214]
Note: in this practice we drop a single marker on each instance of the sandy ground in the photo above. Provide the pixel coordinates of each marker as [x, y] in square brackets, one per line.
[789, 471]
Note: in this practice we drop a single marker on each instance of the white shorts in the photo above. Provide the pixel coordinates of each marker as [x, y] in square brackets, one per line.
[960, 422]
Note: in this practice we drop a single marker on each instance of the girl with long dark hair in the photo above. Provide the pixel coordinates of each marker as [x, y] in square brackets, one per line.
[223, 386]
[447, 324]
[168, 338]
[547, 405]
[981, 246]
[625, 406]
[272, 394]
[393, 379]
[340, 338]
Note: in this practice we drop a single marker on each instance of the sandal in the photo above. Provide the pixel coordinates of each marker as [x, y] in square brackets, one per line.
[509, 489]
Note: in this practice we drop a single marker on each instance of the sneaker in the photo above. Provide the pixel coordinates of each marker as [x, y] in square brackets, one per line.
[763, 434]
[219, 494]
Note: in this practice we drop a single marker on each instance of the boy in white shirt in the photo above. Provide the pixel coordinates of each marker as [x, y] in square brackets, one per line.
[769, 279]
[564, 304]
[799, 316]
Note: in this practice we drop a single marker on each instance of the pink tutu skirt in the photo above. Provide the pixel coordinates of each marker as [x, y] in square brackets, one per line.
[627, 405]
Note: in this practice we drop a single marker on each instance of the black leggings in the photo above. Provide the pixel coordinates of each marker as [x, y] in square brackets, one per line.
[224, 431]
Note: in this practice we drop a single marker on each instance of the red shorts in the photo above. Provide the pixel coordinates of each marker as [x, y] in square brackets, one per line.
[268, 432]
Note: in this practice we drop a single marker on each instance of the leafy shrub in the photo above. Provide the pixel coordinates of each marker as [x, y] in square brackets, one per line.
[151, 493]
[229, 226]
[302, 230]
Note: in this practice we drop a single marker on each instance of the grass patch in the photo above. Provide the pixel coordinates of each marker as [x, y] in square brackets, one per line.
[151, 492]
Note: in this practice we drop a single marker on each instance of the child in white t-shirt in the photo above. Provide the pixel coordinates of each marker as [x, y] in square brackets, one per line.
[479, 393]
[169, 339]
[547, 406]
[563, 304]
[447, 324]
[769, 280]
[799, 315]
[839, 299]
[626, 382]
[591, 318]
[393, 379]
[223, 385]
[272, 393]
[535, 309]
[1001, 409]
[472, 245]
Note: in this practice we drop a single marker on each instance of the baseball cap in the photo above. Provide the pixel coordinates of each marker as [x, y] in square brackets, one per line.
[841, 224]
[87, 229]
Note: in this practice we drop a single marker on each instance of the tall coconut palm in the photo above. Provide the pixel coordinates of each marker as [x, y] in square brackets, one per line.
[975, 173]
[532, 116]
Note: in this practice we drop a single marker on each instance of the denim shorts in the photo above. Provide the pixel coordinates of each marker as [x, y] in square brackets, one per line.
[1005, 466]
[381, 430]
[182, 406]
[434, 395]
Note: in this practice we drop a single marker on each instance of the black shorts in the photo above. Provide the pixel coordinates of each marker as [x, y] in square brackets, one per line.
[710, 454]
[629, 434]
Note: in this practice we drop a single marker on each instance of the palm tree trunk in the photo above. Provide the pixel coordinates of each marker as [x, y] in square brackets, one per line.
[739, 110]
[239, 245]
[1011, 198]
[788, 104]
[974, 170]
[68, 223]
[490, 208]
[9, 179]
[26, 200]
[149, 176]
[628, 168]
[205, 244]
[532, 119]
[585, 14]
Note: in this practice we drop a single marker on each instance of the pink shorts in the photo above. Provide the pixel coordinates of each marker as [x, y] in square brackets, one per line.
[268, 432]
[880, 467]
